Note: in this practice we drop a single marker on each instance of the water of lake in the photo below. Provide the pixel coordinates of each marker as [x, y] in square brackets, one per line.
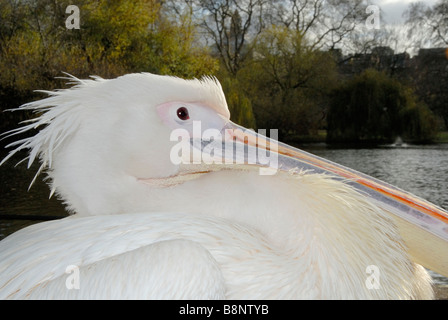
[422, 170]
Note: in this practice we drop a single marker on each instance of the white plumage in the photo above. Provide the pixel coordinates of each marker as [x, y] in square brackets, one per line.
[215, 232]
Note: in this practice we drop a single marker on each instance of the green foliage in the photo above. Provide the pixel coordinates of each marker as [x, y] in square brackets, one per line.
[239, 104]
[418, 123]
[115, 37]
[287, 82]
[175, 52]
[375, 107]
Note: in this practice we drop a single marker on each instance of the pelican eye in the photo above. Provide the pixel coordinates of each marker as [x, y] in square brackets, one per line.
[182, 113]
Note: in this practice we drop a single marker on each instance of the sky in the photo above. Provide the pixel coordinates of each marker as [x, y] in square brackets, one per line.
[393, 9]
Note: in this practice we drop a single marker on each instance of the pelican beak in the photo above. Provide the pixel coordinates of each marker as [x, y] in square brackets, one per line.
[423, 226]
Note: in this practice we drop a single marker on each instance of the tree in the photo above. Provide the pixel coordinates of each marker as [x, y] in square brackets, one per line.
[176, 49]
[324, 23]
[429, 25]
[115, 37]
[229, 24]
[373, 107]
[240, 106]
[288, 82]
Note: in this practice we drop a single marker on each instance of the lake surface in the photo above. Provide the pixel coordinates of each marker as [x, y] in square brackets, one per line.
[422, 170]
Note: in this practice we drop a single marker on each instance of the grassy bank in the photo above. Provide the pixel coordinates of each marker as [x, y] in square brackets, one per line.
[320, 136]
[442, 137]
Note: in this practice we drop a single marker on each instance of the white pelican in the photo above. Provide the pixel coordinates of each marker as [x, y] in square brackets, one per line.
[148, 226]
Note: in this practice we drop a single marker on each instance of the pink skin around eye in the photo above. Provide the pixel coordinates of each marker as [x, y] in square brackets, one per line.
[163, 111]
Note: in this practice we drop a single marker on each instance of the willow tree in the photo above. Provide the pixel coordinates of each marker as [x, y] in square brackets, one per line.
[373, 107]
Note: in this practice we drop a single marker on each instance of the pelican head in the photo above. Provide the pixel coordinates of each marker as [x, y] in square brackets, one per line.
[136, 144]
[128, 121]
